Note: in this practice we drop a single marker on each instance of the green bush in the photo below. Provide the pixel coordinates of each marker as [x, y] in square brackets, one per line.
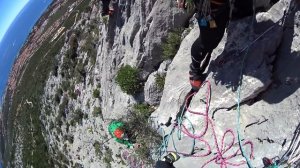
[70, 138]
[78, 115]
[90, 48]
[138, 122]
[57, 98]
[58, 130]
[62, 107]
[105, 20]
[51, 126]
[62, 158]
[72, 52]
[127, 79]
[160, 81]
[171, 46]
[72, 93]
[88, 103]
[80, 73]
[85, 116]
[97, 147]
[65, 85]
[144, 110]
[97, 111]
[108, 157]
[55, 68]
[66, 67]
[96, 93]
[60, 92]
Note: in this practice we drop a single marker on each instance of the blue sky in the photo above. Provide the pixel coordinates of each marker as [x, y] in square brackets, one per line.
[9, 9]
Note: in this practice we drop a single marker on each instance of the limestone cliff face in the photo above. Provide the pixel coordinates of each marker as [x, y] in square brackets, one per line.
[133, 36]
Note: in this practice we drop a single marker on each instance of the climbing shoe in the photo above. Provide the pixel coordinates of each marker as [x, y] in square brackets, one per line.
[196, 80]
[111, 12]
[172, 157]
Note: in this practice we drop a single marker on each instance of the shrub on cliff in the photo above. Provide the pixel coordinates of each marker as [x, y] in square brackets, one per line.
[127, 78]
[97, 112]
[96, 93]
[77, 117]
[160, 81]
[171, 45]
[139, 123]
[72, 52]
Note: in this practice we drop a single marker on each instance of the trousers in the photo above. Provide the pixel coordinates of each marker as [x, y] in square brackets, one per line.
[208, 39]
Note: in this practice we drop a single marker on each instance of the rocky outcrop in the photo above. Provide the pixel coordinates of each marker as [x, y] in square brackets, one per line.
[152, 90]
[133, 36]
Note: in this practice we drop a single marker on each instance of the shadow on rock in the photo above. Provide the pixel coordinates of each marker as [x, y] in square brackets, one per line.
[287, 63]
[260, 51]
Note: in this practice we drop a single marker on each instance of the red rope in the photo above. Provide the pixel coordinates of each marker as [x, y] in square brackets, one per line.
[221, 157]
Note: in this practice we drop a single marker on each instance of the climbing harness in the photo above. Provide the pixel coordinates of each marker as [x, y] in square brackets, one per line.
[204, 15]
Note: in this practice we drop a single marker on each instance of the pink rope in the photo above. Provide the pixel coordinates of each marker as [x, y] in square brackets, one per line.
[221, 158]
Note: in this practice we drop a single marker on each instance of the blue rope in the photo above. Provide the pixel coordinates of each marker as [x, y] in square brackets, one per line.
[163, 147]
[246, 48]
[239, 111]
[166, 137]
[194, 141]
[179, 122]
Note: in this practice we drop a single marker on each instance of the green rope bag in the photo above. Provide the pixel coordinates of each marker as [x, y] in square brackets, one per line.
[113, 126]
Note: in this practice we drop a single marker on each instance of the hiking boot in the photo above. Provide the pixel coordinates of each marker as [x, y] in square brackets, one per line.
[196, 80]
[172, 157]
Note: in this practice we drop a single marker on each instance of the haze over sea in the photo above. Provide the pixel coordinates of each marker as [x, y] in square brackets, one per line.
[16, 35]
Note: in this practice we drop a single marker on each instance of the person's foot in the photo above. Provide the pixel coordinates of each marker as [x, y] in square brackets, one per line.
[172, 157]
[111, 12]
[196, 80]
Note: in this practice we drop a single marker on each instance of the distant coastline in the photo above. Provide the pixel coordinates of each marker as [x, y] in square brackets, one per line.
[14, 42]
[15, 39]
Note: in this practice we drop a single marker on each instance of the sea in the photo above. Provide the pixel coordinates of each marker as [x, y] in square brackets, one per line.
[16, 36]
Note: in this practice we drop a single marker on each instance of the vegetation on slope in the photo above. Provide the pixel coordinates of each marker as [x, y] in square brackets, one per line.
[23, 120]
